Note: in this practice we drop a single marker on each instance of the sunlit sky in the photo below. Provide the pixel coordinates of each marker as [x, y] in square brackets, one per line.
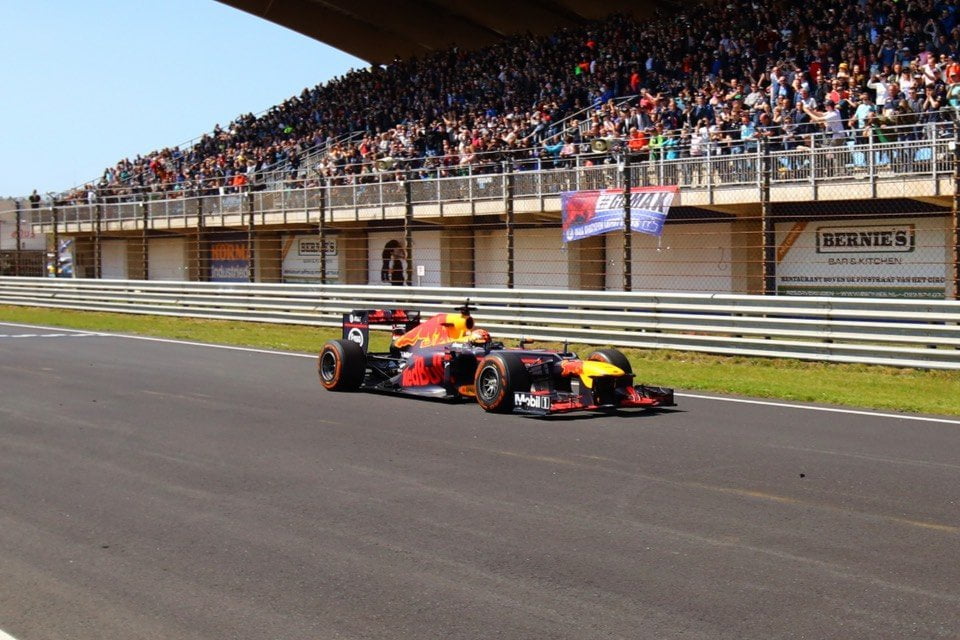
[86, 83]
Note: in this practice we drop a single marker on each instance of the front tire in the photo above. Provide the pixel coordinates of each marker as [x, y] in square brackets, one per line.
[497, 377]
[342, 365]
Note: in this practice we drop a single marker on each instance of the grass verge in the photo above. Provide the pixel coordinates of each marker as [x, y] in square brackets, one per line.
[873, 387]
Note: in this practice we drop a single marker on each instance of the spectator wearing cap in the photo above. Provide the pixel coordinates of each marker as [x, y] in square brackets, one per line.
[904, 76]
[880, 86]
[830, 119]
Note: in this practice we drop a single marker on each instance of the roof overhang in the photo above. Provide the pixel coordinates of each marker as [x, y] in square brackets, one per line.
[385, 30]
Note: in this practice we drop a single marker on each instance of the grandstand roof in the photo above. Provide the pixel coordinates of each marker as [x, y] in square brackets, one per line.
[381, 31]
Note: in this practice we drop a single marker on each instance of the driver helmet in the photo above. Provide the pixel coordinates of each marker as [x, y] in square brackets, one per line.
[479, 336]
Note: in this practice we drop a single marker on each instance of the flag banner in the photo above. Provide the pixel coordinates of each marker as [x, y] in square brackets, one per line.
[590, 213]
[230, 258]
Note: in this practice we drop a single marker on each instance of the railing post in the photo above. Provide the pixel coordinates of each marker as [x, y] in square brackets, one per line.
[956, 210]
[813, 164]
[97, 239]
[203, 266]
[322, 229]
[408, 227]
[627, 226]
[508, 216]
[56, 239]
[764, 167]
[473, 205]
[709, 165]
[144, 241]
[18, 250]
[251, 266]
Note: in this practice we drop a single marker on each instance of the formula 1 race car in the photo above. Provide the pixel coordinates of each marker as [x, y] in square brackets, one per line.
[448, 357]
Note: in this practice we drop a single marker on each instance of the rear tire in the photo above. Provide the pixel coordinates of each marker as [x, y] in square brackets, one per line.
[497, 377]
[614, 357]
[342, 365]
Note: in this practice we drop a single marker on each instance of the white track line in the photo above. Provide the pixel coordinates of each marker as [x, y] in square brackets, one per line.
[787, 405]
[765, 403]
[6, 636]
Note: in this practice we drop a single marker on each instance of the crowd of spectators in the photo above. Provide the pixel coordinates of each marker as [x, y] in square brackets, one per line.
[715, 77]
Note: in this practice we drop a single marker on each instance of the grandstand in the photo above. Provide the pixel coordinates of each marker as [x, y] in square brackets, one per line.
[783, 129]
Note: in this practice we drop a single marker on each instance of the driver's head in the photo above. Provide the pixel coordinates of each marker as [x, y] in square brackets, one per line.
[479, 336]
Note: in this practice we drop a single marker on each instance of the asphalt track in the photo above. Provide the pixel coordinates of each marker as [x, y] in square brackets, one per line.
[153, 489]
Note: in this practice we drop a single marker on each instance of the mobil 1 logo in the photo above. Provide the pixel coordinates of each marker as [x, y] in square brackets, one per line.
[530, 401]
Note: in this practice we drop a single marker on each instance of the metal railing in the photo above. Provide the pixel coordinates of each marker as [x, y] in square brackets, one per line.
[929, 155]
[903, 333]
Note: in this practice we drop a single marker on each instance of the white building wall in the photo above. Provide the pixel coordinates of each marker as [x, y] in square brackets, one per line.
[540, 259]
[167, 259]
[687, 257]
[490, 251]
[113, 256]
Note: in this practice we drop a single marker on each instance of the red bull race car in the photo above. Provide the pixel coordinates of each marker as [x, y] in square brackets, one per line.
[448, 357]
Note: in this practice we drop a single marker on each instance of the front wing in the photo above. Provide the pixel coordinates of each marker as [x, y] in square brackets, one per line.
[550, 402]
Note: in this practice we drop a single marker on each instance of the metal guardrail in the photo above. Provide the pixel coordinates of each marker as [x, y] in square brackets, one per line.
[902, 333]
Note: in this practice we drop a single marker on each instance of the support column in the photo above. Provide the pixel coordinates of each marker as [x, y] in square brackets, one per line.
[17, 256]
[203, 245]
[408, 228]
[322, 229]
[56, 240]
[251, 266]
[956, 211]
[769, 254]
[144, 239]
[508, 187]
[627, 226]
[97, 240]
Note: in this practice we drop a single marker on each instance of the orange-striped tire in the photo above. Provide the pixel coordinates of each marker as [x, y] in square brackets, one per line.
[497, 377]
[342, 365]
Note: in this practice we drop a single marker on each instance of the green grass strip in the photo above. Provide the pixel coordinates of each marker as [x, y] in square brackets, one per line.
[863, 386]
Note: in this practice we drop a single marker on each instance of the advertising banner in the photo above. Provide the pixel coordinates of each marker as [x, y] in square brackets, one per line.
[230, 258]
[895, 258]
[591, 213]
[302, 255]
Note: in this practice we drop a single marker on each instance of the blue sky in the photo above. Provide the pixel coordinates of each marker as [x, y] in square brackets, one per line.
[85, 83]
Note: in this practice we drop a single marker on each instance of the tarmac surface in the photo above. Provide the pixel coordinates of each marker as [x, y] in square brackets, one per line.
[153, 489]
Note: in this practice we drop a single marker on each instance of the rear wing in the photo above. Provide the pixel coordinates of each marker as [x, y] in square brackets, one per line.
[356, 324]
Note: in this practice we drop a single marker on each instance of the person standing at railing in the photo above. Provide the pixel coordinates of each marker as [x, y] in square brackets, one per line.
[702, 110]
[930, 108]
[699, 148]
[861, 119]
[953, 89]
[832, 124]
[881, 87]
